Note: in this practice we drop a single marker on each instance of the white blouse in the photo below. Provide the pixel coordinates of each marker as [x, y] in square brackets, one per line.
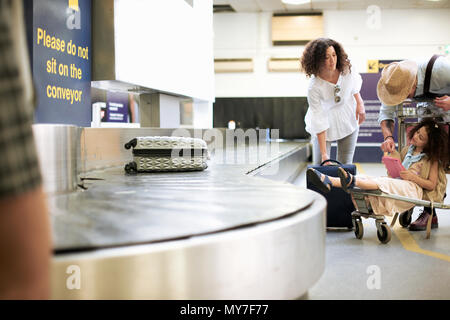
[338, 119]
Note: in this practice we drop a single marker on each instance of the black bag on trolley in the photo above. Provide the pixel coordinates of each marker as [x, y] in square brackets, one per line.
[339, 203]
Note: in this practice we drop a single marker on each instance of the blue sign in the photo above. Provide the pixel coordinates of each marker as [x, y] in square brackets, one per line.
[370, 130]
[117, 109]
[62, 61]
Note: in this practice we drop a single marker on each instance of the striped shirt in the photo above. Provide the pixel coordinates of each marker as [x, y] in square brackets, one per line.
[19, 167]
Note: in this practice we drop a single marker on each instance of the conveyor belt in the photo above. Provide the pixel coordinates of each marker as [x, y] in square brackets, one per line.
[224, 233]
[122, 209]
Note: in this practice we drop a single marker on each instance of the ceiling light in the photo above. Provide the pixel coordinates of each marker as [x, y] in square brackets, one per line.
[295, 1]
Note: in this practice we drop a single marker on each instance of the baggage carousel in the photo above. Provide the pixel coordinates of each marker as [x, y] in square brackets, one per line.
[234, 231]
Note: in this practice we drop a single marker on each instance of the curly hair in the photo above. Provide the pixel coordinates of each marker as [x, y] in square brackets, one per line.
[437, 146]
[314, 55]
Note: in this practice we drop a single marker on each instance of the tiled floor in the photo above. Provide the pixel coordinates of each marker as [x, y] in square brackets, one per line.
[408, 267]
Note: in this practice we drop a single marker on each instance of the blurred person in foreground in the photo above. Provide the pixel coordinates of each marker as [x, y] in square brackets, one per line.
[25, 236]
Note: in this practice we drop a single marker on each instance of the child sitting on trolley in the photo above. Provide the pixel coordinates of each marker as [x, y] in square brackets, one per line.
[425, 160]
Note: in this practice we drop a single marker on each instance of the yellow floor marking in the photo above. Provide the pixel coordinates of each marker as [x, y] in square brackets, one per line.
[410, 244]
[359, 168]
[406, 239]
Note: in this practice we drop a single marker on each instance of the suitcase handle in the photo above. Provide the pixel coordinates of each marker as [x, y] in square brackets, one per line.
[331, 160]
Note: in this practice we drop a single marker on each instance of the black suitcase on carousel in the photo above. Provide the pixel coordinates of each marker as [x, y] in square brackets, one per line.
[339, 202]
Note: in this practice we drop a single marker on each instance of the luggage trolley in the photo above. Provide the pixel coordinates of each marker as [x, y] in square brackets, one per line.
[364, 210]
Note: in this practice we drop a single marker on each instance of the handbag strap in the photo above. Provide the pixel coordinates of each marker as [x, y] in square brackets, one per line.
[331, 160]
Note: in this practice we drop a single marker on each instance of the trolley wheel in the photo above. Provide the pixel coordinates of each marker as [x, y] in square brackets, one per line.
[359, 229]
[405, 218]
[385, 235]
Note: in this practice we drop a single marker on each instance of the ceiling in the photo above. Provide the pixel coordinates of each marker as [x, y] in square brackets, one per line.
[319, 5]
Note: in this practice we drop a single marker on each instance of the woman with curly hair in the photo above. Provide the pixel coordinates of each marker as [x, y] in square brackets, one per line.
[336, 108]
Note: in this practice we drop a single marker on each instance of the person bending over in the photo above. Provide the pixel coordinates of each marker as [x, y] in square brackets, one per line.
[406, 79]
[335, 107]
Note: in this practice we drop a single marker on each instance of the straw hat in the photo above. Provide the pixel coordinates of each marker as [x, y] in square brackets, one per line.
[396, 82]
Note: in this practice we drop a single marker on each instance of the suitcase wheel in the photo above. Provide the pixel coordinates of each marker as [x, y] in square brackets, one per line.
[131, 143]
[131, 167]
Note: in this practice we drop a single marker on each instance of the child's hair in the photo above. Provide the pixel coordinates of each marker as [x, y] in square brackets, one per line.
[437, 146]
